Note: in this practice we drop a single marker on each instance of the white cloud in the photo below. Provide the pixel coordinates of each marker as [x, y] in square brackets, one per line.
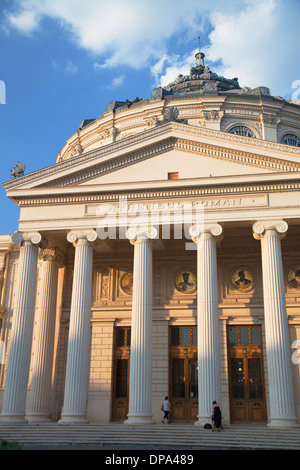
[255, 40]
[70, 67]
[116, 82]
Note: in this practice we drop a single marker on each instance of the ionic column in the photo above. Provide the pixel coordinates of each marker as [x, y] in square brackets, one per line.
[140, 392]
[209, 383]
[40, 394]
[14, 401]
[282, 407]
[78, 356]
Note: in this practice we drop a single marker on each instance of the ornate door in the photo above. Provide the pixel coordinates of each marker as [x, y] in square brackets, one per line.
[183, 374]
[247, 392]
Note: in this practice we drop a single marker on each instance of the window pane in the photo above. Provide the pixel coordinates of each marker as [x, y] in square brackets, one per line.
[193, 378]
[255, 331]
[128, 339]
[195, 336]
[121, 377]
[232, 335]
[175, 341]
[120, 340]
[244, 332]
[178, 378]
[241, 130]
[291, 139]
[255, 385]
[185, 336]
[237, 378]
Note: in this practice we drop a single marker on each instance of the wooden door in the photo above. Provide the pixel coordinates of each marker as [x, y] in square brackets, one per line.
[183, 374]
[246, 377]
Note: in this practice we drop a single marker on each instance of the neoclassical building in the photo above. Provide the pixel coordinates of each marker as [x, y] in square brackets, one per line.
[159, 255]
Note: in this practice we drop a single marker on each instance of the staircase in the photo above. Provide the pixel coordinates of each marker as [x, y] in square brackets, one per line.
[158, 436]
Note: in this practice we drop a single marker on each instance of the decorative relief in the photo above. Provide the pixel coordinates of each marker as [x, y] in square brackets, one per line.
[212, 115]
[127, 283]
[294, 277]
[157, 285]
[242, 280]
[101, 286]
[185, 281]
[72, 151]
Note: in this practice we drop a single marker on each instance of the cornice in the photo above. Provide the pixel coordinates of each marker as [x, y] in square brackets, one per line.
[111, 154]
[237, 189]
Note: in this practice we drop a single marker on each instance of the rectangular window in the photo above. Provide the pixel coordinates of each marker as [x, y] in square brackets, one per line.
[243, 335]
[184, 336]
[123, 337]
[173, 176]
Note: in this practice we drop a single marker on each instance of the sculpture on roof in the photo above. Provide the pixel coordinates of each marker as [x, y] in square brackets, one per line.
[18, 170]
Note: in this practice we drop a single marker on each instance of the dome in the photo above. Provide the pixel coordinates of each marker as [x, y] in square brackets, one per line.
[201, 99]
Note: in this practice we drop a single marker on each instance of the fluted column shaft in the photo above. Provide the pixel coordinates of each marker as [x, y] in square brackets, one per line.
[282, 408]
[140, 392]
[14, 401]
[209, 384]
[78, 356]
[40, 394]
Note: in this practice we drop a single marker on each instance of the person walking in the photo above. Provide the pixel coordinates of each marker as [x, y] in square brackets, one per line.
[166, 408]
[216, 417]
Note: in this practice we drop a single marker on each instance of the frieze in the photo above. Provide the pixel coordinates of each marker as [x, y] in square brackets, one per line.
[153, 208]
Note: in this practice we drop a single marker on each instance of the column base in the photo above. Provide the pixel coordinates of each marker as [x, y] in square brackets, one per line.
[73, 419]
[38, 418]
[14, 419]
[283, 423]
[140, 419]
[202, 420]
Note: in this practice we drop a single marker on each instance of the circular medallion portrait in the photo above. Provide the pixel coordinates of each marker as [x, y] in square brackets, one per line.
[127, 283]
[242, 280]
[294, 277]
[185, 281]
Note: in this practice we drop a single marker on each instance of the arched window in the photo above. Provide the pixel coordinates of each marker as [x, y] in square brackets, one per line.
[241, 130]
[291, 139]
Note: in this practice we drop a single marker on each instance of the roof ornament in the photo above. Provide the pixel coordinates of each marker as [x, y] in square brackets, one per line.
[18, 170]
[199, 57]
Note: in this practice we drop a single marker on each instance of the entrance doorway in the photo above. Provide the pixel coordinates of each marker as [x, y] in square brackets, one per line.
[121, 373]
[183, 373]
[246, 376]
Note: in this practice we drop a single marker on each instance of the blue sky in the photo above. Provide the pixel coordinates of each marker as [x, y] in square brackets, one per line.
[63, 61]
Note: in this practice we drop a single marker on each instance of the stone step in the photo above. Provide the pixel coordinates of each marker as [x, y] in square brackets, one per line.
[167, 436]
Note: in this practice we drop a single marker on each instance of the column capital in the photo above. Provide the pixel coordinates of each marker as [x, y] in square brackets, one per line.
[214, 230]
[262, 227]
[88, 235]
[144, 233]
[52, 254]
[19, 237]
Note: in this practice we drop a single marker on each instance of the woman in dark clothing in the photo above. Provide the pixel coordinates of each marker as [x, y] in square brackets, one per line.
[216, 417]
